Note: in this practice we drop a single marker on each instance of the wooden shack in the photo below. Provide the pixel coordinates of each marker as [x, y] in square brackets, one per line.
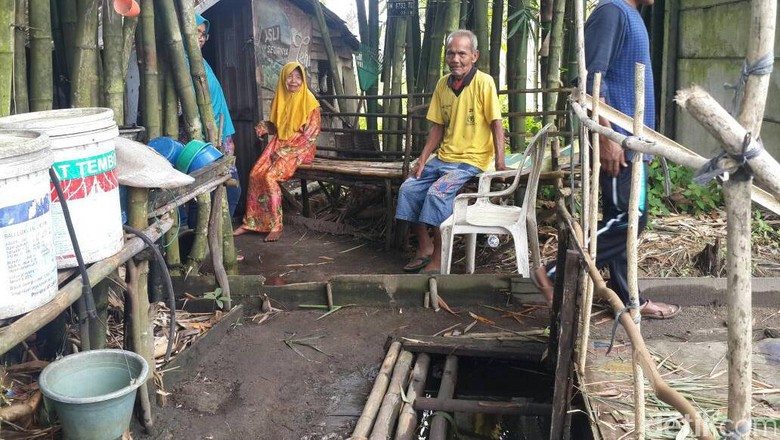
[250, 41]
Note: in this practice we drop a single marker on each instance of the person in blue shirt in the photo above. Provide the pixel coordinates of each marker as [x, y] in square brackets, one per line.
[615, 40]
[220, 108]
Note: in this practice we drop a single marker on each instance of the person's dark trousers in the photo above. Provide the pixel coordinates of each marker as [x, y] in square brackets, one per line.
[613, 228]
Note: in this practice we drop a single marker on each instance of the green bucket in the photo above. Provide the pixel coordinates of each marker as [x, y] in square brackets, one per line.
[93, 392]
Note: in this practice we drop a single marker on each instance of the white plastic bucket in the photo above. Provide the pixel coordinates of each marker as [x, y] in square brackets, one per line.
[82, 140]
[28, 268]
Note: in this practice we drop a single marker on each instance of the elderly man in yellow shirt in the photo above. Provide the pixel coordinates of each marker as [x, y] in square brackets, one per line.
[467, 131]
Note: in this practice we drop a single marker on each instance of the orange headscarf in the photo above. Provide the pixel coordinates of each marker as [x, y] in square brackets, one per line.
[290, 111]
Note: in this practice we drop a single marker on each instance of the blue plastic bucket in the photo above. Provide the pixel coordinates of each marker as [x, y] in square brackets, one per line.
[28, 267]
[93, 392]
[169, 148]
[196, 155]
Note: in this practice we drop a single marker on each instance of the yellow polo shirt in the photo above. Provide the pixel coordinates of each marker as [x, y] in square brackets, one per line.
[466, 119]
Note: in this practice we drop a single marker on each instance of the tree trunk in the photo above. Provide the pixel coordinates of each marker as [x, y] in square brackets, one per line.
[399, 48]
[150, 84]
[128, 33]
[170, 102]
[181, 71]
[452, 18]
[372, 105]
[438, 31]
[516, 72]
[21, 103]
[198, 71]
[496, 29]
[68, 11]
[114, 80]
[553, 78]
[85, 91]
[481, 29]
[41, 90]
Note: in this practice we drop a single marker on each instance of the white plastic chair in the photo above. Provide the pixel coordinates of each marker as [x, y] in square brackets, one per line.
[485, 217]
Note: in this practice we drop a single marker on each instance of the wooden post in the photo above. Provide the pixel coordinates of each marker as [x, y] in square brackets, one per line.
[407, 421]
[332, 57]
[632, 251]
[391, 404]
[366, 420]
[215, 245]
[567, 334]
[446, 390]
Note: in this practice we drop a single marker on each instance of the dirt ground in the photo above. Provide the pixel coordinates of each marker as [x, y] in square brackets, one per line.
[252, 385]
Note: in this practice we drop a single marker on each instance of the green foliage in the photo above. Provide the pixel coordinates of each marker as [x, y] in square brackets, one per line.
[217, 296]
[686, 197]
[762, 231]
[526, 18]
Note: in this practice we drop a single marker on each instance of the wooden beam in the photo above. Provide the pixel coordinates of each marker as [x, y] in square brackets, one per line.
[526, 351]
[482, 407]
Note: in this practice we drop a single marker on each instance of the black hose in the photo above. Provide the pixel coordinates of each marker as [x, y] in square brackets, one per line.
[85, 305]
[168, 284]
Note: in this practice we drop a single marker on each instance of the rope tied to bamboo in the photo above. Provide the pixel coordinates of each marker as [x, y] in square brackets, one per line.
[637, 319]
[713, 168]
[762, 66]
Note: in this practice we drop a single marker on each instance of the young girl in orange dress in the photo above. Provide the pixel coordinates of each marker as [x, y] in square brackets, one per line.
[294, 126]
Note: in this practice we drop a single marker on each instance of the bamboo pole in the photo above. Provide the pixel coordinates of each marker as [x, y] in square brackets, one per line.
[332, 57]
[483, 407]
[228, 243]
[396, 78]
[496, 29]
[199, 243]
[21, 99]
[632, 251]
[138, 292]
[114, 78]
[181, 71]
[170, 111]
[366, 420]
[129, 26]
[593, 212]
[391, 403]
[7, 17]
[407, 420]
[171, 240]
[152, 114]
[553, 74]
[198, 70]
[41, 89]
[662, 390]
[480, 8]
[446, 390]
[85, 80]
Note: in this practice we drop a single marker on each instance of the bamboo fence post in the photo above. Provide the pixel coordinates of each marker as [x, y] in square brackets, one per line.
[215, 245]
[199, 242]
[21, 100]
[198, 70]
[662, 390]
[391, 403]
[7, 16]
[138, 287]
[181, 71]
[593, 212]
[85, 90]
[632, 252]
[407, 420]
[332, 57]
[41, 89]
[114, 79]
[366, 420]
[152, 114]
[446, 391]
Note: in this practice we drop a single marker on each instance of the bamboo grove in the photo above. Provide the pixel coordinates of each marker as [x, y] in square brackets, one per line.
[52, 56]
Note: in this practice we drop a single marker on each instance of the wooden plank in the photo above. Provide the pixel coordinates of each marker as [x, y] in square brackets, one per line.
[564, 369]
[525, 351]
